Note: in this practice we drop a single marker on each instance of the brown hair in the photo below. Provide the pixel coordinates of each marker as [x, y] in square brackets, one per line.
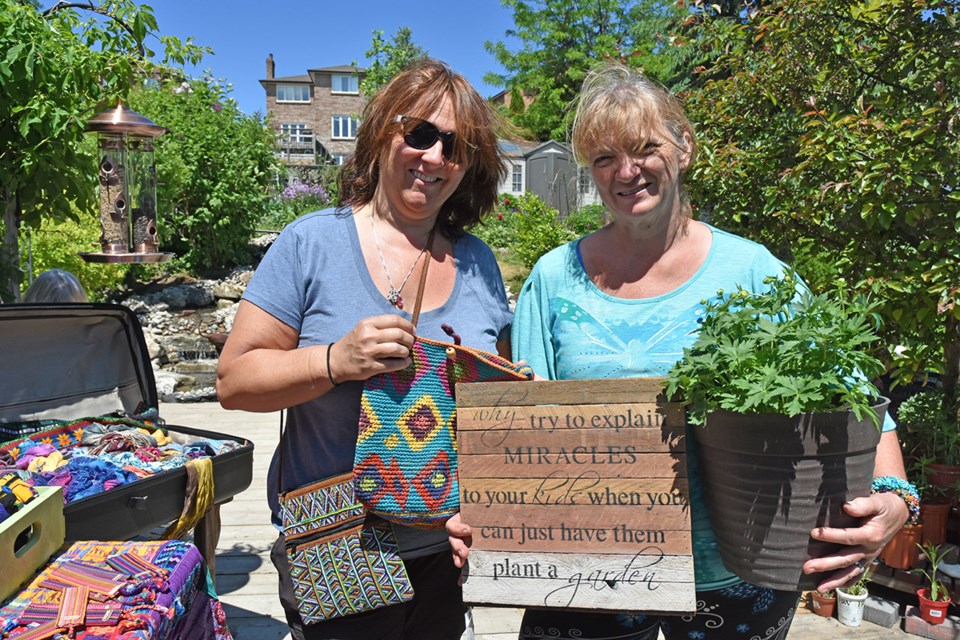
[620, 103]
[416, 91]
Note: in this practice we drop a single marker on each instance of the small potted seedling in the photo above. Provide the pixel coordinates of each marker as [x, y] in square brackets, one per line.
[824, 604]
[850, 601]
[935, 598]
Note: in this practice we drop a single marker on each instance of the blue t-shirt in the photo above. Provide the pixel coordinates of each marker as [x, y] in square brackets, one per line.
[566, 328]
[315, 280]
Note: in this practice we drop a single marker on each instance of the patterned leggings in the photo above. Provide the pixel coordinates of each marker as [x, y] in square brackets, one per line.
[741, 612]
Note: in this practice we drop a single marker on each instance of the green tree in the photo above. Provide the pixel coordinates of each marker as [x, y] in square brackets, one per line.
[835, 127]
[560, 39]
[57, 68]
[214, 167]
[387, 58]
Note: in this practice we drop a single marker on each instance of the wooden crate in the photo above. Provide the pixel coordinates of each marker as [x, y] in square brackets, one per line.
[42, 525]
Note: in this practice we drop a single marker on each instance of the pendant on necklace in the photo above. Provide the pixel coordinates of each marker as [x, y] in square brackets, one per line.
[394, 298]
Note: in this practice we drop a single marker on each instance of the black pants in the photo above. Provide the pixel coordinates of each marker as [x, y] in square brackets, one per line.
[435, 613]
[737, 612]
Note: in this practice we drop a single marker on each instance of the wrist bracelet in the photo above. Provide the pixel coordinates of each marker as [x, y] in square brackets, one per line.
[329, 371]
[904, 489]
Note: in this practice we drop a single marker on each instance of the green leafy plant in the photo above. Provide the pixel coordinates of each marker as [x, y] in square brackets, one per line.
[929, 428]
[783, 351]
[935, 555]
[538, 228]
[859, 587]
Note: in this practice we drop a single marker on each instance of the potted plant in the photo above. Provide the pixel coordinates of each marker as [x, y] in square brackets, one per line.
[850, 601]
[932, 436]
[823, 604]
[935, 599]
[901, 551]
[779, 382]
[935, 504]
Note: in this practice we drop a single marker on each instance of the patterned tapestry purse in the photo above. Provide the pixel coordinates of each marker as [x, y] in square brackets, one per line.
[342, 560]
[405, 465]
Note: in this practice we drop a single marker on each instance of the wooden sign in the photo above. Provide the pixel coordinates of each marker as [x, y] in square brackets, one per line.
[576, 491]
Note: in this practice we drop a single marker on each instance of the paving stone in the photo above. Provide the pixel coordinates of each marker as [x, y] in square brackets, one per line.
[881, 611]
[914, 624]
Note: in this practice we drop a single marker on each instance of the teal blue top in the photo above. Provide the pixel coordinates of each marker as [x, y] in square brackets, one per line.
[567, 328]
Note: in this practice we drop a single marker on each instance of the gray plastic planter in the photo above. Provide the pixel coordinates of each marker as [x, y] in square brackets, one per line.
[770, 479]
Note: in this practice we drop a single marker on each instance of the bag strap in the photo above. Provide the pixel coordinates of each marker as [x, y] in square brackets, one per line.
[280, 457]
[423, 277]
[416, 316]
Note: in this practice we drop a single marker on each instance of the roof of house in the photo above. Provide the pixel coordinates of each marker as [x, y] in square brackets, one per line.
[302, 78]
[344, 68]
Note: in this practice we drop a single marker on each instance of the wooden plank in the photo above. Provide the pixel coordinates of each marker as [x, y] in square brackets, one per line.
[622, 539]
[560, 392]
[654, 582]
[675, 518]
[554, 417]
[606, 461]
[666, 439]
[585, 490]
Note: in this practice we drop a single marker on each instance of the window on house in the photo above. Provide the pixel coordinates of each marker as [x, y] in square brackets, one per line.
[516, 177]
[585, 181]
[295, 132]
[296, 138]
[344, 127]
[344, 84]
[338, 159]
[293, 93]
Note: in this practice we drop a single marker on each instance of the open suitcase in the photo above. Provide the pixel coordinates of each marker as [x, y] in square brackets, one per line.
[71, 361]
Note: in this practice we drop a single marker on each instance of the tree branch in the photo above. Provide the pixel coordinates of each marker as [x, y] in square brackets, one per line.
[89, 6]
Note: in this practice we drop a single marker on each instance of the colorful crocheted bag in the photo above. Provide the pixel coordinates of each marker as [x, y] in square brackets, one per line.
[405, 466]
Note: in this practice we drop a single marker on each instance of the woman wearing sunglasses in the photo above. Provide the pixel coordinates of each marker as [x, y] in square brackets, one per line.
[330, 306]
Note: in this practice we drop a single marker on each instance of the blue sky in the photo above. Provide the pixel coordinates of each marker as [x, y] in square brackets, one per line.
[310, 34]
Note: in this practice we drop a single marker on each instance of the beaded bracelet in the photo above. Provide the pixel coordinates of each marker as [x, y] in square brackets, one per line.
[904, 489]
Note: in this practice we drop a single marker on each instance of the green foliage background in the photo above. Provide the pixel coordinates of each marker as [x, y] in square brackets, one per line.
[215, 167]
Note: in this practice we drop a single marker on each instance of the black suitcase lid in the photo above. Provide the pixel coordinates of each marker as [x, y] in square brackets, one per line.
[67, 360]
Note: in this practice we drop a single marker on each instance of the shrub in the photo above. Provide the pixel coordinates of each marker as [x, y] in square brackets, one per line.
[538, 229]
[498, 229]
[214, 167]
[294, 201]
[57, 245]
[586, 219]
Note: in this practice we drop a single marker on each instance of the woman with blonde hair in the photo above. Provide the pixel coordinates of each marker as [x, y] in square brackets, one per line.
[624, 302]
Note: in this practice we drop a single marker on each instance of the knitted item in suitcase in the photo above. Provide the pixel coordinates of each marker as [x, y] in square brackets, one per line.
[405, 465]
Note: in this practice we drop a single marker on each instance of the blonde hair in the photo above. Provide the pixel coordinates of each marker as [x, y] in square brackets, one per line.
[55, 285]
[620, 103]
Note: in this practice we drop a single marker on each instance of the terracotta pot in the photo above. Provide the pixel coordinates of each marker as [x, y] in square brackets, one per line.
[902, 552]
[934, 516]
[822, 606]
[945, 476]
[932, 611]
[769, 480]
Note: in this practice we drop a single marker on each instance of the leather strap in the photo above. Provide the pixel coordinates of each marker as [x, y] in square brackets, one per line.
[416, 316]
[423, 277]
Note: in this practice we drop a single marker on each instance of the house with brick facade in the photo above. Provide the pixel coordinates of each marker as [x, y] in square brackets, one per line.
[316, 114]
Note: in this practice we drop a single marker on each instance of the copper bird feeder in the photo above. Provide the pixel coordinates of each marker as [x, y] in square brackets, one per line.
[128, 187]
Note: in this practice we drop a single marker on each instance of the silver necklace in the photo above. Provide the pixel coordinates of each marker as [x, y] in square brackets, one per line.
[393, 296]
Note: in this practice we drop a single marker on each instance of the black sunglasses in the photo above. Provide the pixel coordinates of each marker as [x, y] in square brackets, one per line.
[422, 134]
